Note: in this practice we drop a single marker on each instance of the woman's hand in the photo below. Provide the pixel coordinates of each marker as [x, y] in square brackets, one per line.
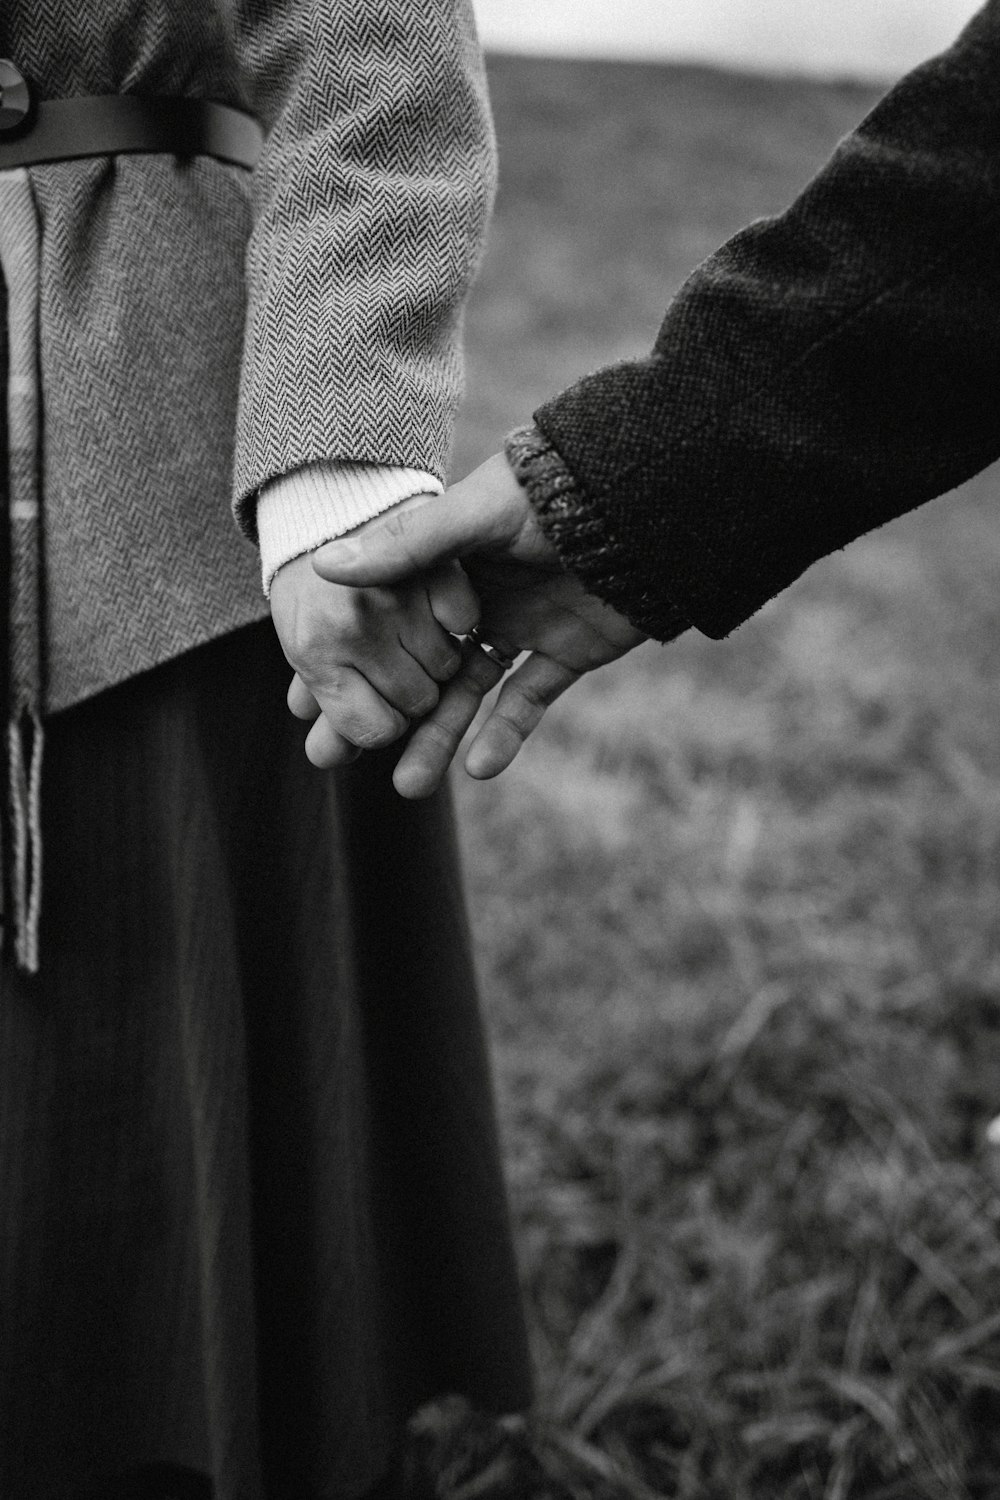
[568, 632]
[527, 602]
[367, 660]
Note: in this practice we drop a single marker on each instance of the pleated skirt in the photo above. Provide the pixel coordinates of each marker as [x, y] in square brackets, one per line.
[252, 1212]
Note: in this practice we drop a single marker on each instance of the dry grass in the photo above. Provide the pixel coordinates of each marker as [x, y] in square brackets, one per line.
[737, 908]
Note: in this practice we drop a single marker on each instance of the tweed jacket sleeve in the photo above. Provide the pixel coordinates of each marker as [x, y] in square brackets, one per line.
[370, 204]
[824, 372]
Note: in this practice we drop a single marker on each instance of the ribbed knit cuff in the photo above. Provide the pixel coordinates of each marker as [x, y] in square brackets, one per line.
[577, 528]
[298, 512]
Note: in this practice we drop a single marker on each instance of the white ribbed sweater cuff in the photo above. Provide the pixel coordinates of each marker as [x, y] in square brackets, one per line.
[300, 511]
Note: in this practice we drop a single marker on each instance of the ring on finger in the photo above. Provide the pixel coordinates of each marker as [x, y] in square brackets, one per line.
[494, 652]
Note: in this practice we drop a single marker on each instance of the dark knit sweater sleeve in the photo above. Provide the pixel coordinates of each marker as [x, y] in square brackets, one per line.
[822, 373]
[579, 534]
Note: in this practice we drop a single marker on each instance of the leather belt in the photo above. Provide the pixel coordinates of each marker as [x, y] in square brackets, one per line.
[105, 124]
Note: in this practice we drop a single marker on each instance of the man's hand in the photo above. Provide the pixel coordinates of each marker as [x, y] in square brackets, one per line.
[369, 659]
[527, 602]
[568, 632]
[487, 512]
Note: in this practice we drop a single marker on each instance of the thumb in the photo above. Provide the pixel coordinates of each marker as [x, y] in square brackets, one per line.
[484, 512]
[398, 544]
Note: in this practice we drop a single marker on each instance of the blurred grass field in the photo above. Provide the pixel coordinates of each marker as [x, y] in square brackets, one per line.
[738, 913]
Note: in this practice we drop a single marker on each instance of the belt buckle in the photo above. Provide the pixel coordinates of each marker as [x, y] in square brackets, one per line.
[16, 103]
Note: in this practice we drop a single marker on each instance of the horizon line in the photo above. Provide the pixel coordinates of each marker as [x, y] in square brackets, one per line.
[756, 69]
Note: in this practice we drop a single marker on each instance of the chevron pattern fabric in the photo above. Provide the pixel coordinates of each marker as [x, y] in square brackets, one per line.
[202, 332]
[370, 204]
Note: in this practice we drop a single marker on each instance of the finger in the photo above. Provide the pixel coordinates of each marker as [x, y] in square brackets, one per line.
[355, 712]
[389, 639]
[300, 700]
[436, 653]
[454, 602]
[398, 544]
[497, 648]
[400, 650]
[406, 674]
[325, 748]
[517, 712]
[431, 748]
[486, 509]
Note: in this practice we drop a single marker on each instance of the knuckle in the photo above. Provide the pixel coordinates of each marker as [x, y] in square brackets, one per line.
[351, 627]
[371, 736]
[349, 608]
[334, 681]
[537, 696]
[302, 645]
[508, 720]
[438, 736]
[371, 739]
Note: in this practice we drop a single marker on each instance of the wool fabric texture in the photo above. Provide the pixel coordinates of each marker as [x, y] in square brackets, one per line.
[824, 372]
[250, 1193]
[312, 308]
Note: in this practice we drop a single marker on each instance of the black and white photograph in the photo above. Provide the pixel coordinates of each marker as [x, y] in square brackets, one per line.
[500, 770]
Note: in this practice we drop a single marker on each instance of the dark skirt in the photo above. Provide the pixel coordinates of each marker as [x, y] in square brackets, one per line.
[251, 1206]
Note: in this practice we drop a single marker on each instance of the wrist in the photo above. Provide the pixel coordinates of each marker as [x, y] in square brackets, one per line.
[299, 511]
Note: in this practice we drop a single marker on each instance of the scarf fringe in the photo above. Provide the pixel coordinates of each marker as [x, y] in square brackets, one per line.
[20, 256]
[26, 741]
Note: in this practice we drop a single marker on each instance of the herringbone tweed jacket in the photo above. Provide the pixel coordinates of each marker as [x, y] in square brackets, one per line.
[169, 380]
[822, 373]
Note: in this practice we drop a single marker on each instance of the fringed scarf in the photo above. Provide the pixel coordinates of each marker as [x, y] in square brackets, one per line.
[20, 468]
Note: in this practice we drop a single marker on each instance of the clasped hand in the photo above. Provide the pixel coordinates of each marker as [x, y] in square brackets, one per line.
[368, 624]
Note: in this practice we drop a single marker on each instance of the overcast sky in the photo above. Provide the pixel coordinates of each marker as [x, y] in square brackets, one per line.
[863, 37]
